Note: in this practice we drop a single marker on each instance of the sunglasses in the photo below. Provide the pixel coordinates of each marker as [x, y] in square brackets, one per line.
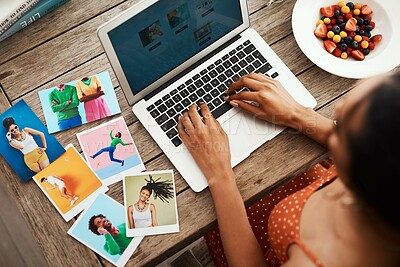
[14, 129]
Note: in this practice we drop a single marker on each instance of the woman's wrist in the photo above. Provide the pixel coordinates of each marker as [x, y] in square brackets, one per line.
[220, 178]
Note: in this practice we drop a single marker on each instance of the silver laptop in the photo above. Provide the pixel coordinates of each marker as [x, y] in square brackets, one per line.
[168, 54]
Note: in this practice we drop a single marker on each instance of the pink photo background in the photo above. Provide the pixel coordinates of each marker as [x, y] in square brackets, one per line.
[98, 138]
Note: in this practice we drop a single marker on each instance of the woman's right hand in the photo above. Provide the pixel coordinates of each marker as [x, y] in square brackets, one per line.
[275, 104]
[8, 135]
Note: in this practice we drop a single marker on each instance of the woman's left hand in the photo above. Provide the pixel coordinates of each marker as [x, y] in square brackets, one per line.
[206, 141]
[41, 149]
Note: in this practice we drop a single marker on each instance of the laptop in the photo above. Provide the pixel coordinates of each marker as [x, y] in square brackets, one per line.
[169, 54]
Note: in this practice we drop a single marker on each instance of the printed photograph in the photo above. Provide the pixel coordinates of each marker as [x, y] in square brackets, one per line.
[69, 183]
[25, 142]
[71, 104]
[178, 16]
[110, 151]
[150, 33]
[150, 203]
[101, 227]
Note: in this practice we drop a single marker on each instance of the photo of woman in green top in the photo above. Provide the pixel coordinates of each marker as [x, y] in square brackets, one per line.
[110, 149]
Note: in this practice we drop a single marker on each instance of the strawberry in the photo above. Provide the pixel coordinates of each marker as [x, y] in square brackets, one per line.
[357, 54]
[371, 46]
[327, 11]
[351, 25]
[329, 46]
[348, 50]
[365, 10]
[337, 52]
[376, 38]
[321, 30]
[372, 24]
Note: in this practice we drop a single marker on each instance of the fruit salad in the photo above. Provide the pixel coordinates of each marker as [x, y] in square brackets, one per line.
[346, 30]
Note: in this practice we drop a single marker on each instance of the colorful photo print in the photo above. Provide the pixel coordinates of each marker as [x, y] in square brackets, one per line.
[151, 33]
[178, 16]
[69, 183]
[110, 151]
[150, 203]
[101, 227]
[25, 142]
[71, 104]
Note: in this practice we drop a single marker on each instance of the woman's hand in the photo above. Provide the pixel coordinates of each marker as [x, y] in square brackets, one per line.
[8, 135]
[274, 103]
[41, 149]
[206, 141]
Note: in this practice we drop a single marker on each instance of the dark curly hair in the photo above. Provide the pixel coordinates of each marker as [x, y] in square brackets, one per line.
[162, 189]
[374, 153]
[7, 122]
[93, 227]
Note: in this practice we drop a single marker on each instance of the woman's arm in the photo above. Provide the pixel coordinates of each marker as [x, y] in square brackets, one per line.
[209, 146]
[153, 215]
[12, 142]
[276, 105]
[36, 132]
[130, 217]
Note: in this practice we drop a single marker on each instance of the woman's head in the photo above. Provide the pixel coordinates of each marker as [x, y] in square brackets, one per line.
[118, 135]
[365, 145]
[10, 125]
[145, 193]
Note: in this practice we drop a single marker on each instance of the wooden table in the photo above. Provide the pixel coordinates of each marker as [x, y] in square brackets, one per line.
[63, 46]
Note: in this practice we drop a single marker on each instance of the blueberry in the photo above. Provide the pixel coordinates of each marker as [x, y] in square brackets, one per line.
[365, 51]
[339, 21]
[336, 13]
[322, 18]
[343, 47]
[360, 21]
[350, 5]
[368, 28]
[348, 40]
[354, 45]
[336, 29]
[341, 26]
[362, 32]
[368, 34]
[357, 29]
[367, 21]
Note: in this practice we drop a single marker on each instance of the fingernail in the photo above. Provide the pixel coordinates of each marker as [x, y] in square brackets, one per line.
[233, 103]
[226, 98]
[179, 118]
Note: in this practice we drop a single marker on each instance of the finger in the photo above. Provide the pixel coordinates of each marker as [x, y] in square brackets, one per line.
[187, 123]
[181, 129]
[206, 114]
[246, 106]
[244, 95]
[253, 81]
[219, 127]
[194, 116]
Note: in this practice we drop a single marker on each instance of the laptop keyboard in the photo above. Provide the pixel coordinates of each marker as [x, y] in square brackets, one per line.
[208, 86]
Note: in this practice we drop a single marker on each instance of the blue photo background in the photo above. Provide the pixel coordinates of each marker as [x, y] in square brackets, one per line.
[25, 117]
[109, 97]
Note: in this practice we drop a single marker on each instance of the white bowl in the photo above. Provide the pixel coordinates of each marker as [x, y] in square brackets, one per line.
[383, 58]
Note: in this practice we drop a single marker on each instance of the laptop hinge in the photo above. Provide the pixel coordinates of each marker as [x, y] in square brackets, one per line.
[198, 63]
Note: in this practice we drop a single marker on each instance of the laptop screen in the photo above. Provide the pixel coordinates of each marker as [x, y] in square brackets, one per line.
[169, 32]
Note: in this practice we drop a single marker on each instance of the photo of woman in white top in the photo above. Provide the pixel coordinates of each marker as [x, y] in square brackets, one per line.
[35, 157]
[142, 214]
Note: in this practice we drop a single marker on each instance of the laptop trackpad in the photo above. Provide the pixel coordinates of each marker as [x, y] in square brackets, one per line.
[246, 133]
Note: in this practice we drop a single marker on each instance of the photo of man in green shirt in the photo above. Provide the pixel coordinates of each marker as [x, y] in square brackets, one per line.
[64, 102]
[115, 236]
[110, 149]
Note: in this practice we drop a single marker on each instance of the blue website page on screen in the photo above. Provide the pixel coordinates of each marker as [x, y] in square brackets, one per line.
[168, 33]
